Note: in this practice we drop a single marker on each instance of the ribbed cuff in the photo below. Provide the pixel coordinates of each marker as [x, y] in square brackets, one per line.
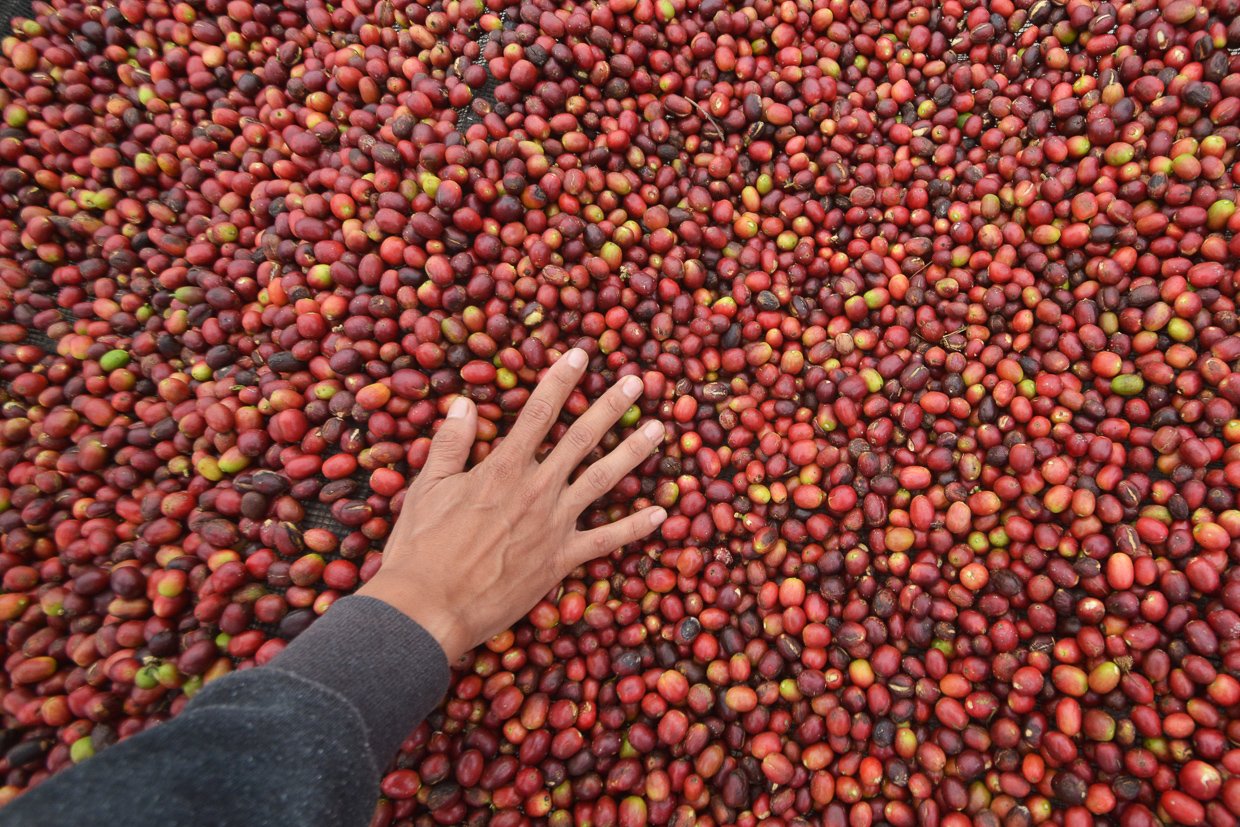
[386, 665]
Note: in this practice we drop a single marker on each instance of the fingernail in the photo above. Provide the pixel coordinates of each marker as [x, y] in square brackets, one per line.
[459, 408]
[630, 386]
[653, 430]
[657, 516]
[576, 358]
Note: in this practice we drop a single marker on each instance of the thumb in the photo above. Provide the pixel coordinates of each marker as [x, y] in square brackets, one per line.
[450, 447]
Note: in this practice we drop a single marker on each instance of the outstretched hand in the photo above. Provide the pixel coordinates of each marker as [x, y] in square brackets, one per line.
[474, 549]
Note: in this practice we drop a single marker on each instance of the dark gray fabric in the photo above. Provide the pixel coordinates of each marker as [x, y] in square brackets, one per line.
[300, 741]
[390, 669]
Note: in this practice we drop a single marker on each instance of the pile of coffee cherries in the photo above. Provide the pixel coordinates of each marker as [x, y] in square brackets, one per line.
[935, 298]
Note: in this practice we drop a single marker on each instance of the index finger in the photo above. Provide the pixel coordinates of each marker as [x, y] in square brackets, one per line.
[544, 404]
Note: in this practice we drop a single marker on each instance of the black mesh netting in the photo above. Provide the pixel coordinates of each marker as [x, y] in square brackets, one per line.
[467, 117]
[10, 9]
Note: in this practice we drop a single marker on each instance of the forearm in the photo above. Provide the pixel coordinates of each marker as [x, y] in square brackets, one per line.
[300, 741]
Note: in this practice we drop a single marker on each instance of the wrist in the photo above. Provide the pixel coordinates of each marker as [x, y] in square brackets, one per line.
[443, 626]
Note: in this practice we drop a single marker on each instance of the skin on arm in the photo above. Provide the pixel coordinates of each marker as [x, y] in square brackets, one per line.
[474, 549]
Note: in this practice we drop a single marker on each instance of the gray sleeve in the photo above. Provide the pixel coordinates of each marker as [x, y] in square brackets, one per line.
[299, 741]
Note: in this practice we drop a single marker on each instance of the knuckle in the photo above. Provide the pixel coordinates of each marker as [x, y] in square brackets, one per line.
[636, 450]
[502, 467]
[538, 411]
[597, 478]
[616, 404]
[579, 437]
[602, 543]
[448, 437]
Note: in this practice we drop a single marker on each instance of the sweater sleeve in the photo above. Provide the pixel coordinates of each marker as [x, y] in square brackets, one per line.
[301, 740]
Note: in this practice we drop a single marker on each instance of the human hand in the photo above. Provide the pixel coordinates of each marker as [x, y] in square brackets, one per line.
[473, 550]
